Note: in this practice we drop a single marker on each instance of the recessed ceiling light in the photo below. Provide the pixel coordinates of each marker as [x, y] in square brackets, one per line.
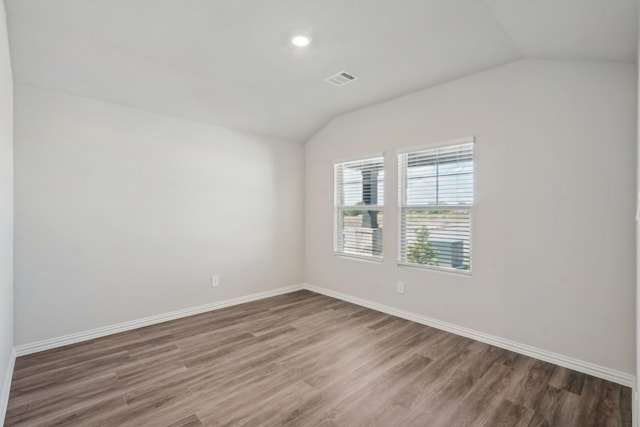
[300, 41]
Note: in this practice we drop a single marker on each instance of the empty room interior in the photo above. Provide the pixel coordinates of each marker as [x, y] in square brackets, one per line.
[319, 213]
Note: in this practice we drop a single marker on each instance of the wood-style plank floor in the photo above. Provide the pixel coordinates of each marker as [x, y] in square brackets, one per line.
[302, 359]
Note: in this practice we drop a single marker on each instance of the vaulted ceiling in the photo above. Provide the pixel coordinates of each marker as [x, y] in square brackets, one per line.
[230, 62]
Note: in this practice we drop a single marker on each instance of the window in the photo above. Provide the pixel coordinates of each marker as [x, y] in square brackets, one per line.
[359, 207]
[436, 200]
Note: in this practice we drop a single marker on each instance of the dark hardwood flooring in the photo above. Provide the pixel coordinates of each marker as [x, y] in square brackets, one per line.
[302, 359]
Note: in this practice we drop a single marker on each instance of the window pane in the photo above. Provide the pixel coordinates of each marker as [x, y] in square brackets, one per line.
[440, 183]
[359, 201]
[361, 232]
[363, 184]
[422, 185]
[352, 187]
[438, 238]
[455, 189]
[436, 196]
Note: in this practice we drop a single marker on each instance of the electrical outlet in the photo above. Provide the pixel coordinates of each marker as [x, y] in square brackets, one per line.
[215, 281]
[400, 287]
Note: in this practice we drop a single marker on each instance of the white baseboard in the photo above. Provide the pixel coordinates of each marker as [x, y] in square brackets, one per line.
[50, 343]
[6, 387]
[547, 356]
[634, 407]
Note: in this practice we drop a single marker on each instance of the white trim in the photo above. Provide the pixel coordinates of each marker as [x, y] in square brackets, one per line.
[350, 256]
[439, 144]
[50, 343]
[358, 158]
[6, 387]
[538, 353]
[548, 356]
[634, 406]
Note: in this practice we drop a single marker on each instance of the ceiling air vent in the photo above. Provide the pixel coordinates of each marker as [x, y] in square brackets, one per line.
[341, 79]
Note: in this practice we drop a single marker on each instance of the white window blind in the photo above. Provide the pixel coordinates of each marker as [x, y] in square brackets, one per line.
[359, 207]
[436, 201]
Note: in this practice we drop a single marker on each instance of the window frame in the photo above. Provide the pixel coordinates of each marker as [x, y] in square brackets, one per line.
[402, 190]
[339, 208]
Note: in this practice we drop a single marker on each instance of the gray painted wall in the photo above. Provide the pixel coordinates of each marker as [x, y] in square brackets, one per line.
[123, 214]
[6, 203]
[553, 222]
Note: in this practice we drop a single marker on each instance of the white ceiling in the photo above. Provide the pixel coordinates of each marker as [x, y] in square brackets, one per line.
[229, 62]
